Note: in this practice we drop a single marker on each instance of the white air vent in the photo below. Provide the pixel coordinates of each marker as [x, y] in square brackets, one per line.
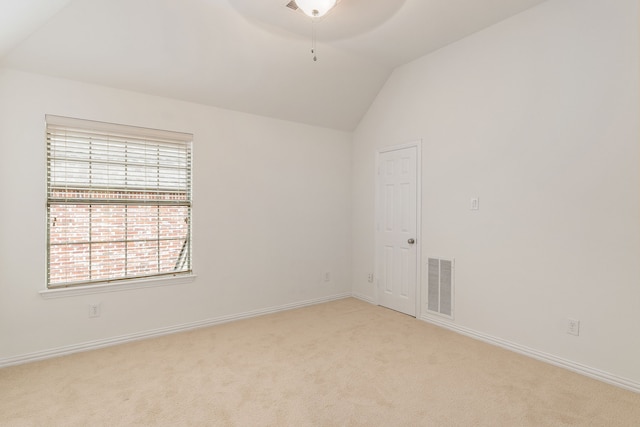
[440, 287]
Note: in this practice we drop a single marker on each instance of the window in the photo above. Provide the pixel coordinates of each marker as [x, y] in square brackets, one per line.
[118, 202]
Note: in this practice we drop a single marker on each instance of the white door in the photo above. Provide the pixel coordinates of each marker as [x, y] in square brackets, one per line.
[396, 229]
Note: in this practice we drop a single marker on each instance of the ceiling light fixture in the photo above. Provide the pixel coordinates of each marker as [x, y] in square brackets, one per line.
[316, 8]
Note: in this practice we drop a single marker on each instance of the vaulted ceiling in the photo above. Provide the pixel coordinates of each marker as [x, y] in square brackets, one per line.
[245, 55]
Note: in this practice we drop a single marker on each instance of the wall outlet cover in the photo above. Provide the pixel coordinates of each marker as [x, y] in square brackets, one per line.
[573, 327]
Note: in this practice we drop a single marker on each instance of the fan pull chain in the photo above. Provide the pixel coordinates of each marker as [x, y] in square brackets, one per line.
[313, 40]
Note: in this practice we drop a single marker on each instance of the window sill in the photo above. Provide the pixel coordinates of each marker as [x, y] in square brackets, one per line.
[117, 287]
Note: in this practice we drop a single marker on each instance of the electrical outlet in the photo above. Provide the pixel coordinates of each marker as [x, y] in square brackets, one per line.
[370, 277]
[573, 327]
[94, 310]
[475, 204]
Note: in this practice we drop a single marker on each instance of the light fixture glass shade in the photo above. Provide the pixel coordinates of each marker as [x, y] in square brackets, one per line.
[315, 8]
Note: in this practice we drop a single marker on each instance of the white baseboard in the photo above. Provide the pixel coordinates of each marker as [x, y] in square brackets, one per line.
[93, 345]
[539, 355]
[364, 298]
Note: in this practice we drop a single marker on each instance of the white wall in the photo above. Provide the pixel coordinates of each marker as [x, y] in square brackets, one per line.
[538, 116]
[271, 214]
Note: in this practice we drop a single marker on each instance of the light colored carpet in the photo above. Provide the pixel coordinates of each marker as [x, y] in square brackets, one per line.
[343, 363]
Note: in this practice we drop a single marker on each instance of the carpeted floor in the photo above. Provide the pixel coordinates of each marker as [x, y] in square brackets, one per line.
[344, 363]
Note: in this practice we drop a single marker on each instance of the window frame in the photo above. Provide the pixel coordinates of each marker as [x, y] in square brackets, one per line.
[161, 278]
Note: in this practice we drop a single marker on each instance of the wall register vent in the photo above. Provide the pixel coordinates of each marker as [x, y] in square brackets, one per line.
[440, 286]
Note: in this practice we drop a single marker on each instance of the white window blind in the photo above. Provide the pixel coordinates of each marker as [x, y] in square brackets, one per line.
[118, 202]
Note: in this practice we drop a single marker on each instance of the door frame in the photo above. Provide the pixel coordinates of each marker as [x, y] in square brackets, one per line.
[377, 214]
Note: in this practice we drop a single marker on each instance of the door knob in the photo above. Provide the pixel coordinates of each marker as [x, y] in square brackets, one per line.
[411, 241]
